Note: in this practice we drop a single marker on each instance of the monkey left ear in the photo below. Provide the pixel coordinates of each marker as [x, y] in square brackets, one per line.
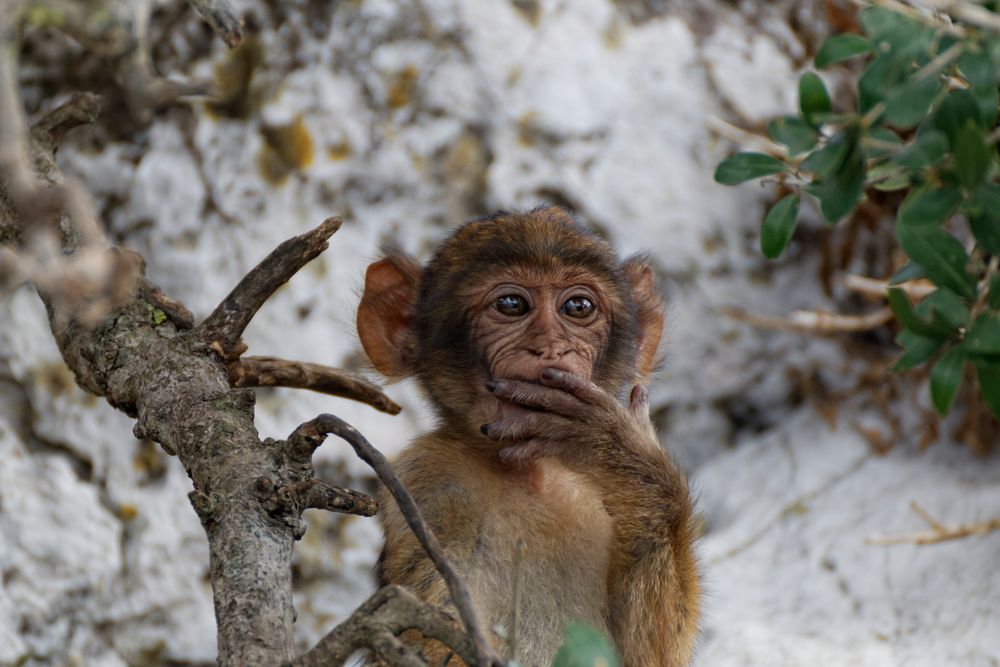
[384, 314]
[642, 280]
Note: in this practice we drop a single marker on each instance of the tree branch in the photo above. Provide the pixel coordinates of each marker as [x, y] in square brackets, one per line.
[317, 494]
[274, 372]
[221, 15]
[311, 434]
[387, 613]
[223, 328]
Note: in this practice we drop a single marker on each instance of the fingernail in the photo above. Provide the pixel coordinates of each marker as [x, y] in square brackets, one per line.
[491, 385]
[485, 429]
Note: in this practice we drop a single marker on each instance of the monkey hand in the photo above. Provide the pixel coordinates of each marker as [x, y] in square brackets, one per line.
[571, 419]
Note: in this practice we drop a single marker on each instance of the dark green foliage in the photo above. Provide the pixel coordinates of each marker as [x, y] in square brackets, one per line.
[747, 166]
[779, 224]
[925, 122]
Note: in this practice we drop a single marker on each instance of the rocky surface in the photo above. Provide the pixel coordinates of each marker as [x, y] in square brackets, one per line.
[406, 118]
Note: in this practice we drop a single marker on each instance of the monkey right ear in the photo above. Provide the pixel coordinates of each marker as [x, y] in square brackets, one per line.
[385, 314]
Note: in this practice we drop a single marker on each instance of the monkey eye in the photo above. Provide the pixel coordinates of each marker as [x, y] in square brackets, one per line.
[578, 306]
[511, 304]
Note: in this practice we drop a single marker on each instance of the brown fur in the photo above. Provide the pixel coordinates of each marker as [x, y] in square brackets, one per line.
[561, 464]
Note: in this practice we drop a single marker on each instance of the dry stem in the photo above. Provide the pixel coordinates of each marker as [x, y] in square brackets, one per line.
[939, 532]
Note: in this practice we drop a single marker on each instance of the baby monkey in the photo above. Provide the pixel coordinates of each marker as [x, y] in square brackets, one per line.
[534, 343]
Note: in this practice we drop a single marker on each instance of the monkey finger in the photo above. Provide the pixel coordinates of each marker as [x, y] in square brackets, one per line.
[538, 397]
[638, 402]
[525, 452]
[585, 390]
[533, 425]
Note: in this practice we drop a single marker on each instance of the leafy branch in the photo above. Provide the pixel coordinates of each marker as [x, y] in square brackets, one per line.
[923, 122]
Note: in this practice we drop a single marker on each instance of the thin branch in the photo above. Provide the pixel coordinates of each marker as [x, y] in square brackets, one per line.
[750, 140]
[915, 289]
[274, 372]
[968, 12]
[221, 15]
[805, 321]
[390, 611]
[939, 532]
[230, 318]
[312, 433]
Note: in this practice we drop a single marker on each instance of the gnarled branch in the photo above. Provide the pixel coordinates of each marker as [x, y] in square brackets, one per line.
[274, 372]
[223, 328]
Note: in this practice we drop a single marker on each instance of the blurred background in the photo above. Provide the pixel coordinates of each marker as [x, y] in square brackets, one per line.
[407, 117]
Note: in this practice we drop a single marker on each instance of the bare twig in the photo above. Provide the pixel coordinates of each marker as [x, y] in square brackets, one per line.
[390, 611]
[968, 12]
[915, 289]
[223, 328]
[312, 433]
[805, 321]
[938, 533]
[273, 372]
[738, 135]
[221, 15]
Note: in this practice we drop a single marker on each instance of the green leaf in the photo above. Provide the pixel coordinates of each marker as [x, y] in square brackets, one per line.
[909, 271]
[984, 335]
[918, 349]
[882, 75]
[779, 224]
[983, 213]
[883, 135]
[876, 21]
[941, 255]
[743, 167]
[793, 132]
[827, 160]
[946, 376]
[977, 68]
[908, 104]
[945, 309]
[994, 297]
[928, 148]
[929, 206]
[986, 229]
[955, 110]
[895, 32]
[841, 192]
[972, 155]
[839, 48]
[585, 647]
[888, 177]
[988, 100]
[988, 373]
[813, 98]
[909, 318]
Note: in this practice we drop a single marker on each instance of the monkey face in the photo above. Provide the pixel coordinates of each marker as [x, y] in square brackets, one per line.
[526, 321]
[504, 298]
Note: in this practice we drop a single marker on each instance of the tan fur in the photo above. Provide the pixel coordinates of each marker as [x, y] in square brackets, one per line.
[561, 463]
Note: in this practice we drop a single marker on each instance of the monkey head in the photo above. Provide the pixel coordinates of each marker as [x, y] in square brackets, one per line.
[504, 297]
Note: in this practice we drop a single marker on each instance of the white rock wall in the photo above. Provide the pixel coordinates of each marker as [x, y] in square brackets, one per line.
[103, 561]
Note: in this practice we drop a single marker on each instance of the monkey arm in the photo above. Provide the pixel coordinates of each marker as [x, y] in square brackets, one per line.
[652, 584]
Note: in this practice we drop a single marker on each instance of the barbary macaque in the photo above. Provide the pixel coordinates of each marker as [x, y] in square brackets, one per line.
[534, 344]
